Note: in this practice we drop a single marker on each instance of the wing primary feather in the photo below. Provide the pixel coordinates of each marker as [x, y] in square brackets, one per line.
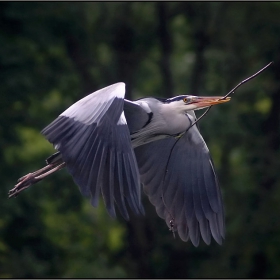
[209, 213]
[197, 193]
[108, 176]
[189, 196]
[118, 188]
[180, 199]
[98, 160]
[211, 186]
[94, 179]
[61, 130]
[192, 221]
[214, 201]
[108, 183]
[220, 214]
[215, 229]
[193, 231]
[119, 192]
[182, 227]
[57, 125]
[136, 183]
[129, 194]
[83, 162]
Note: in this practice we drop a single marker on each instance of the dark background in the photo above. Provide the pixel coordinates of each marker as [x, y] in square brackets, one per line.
[52, 54]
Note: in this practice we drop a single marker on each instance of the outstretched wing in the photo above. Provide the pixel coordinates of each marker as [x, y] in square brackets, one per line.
[181, 183]
[94, 140]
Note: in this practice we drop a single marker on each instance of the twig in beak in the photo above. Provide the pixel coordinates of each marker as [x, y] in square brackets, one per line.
[232, 91]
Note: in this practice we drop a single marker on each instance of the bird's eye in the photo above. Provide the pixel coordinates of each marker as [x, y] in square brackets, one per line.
[186, 99]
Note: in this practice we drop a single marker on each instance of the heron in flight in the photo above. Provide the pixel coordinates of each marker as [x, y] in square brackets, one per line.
[113, 146]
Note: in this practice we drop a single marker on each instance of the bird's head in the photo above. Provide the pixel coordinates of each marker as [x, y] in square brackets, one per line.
[186, 103]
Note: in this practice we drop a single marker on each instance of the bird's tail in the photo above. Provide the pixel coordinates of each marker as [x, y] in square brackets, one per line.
[54, 163]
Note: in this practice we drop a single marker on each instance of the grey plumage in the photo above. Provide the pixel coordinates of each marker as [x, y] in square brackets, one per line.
[112, 146]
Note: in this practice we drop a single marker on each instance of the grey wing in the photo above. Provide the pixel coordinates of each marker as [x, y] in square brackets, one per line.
[188, 194]
[93, 138]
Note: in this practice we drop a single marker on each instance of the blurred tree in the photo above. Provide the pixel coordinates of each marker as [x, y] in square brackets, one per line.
[53, 53]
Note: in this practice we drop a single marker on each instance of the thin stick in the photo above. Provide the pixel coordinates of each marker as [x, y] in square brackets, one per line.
[248, 79]
[232, 91]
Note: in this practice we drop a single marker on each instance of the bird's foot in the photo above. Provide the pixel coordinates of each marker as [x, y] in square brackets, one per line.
[23, 183]
[32, 178]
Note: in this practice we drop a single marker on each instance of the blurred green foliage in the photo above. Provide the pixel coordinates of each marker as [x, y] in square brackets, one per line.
[54, 53]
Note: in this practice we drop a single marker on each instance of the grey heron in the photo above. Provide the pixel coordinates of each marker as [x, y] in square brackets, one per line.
[113, 146]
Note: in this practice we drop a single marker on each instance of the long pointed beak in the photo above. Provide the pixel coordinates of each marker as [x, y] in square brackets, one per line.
[206, 101]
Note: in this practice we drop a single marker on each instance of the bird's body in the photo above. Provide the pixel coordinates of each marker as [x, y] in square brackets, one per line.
[166, 122]
[111, 146]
